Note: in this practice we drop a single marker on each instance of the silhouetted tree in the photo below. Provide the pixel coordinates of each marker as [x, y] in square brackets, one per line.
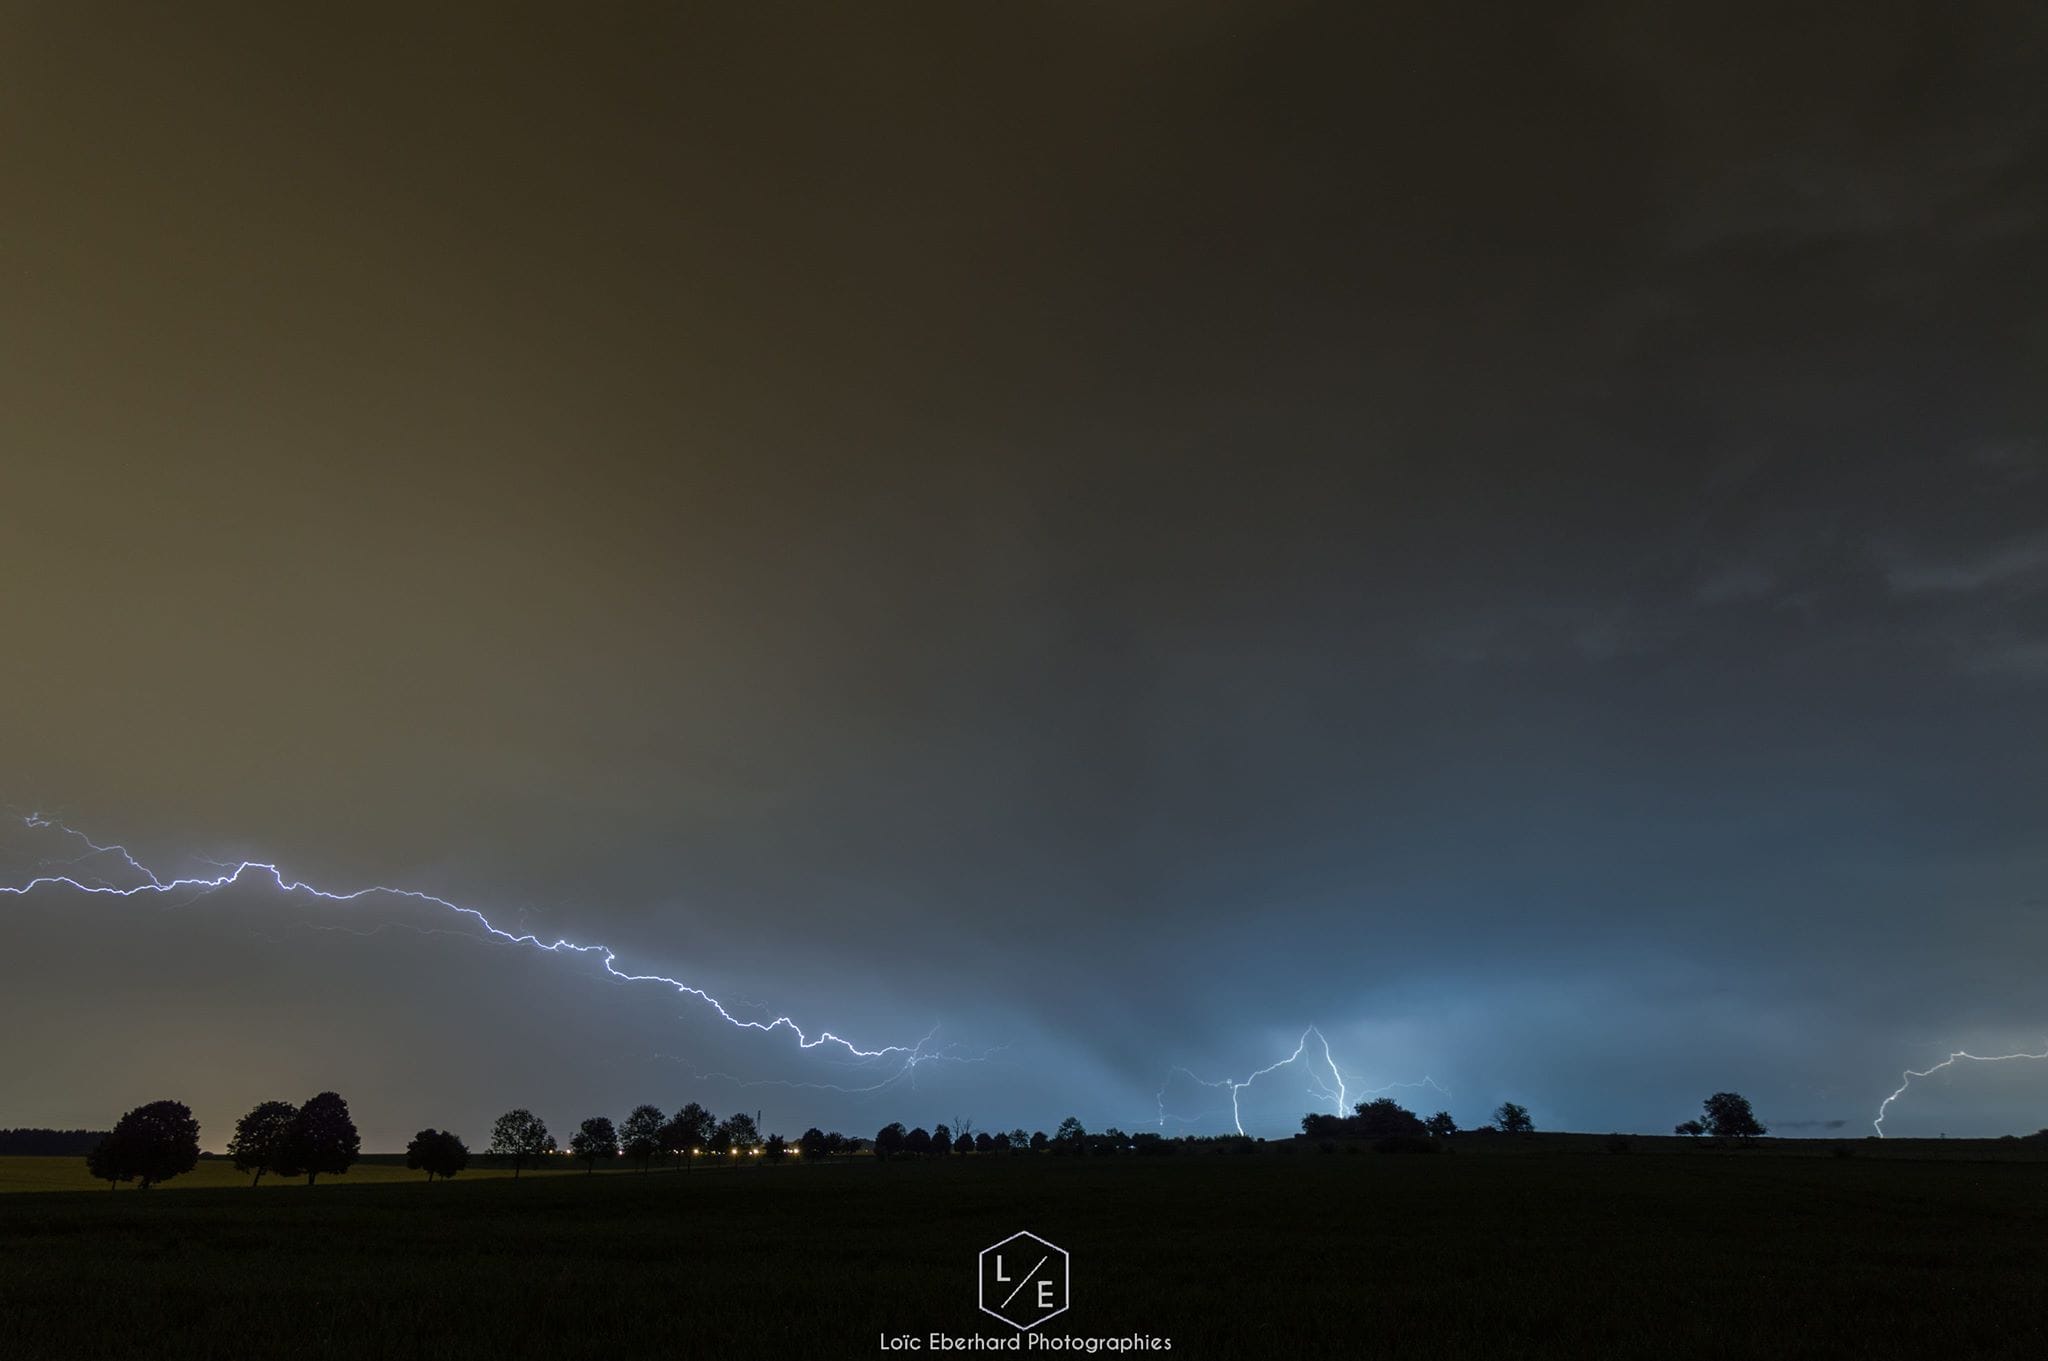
[891, 1140]
[813, 1144]
[963, 1142]
[1514, 1119]
[1690, 1128]
[323, 1139]
[942, 1141]
[261, 1138]
[437, 1152]
[685, 1135]
[594, 1138]
[1385, 1118]
[1019, 1141]
[1111, 1140]
[773, 1150]
[640, 1136]
[1728, 1116]
[918, 1141]
[1039, 1143]
[149, 1144]
[109, 1162]
[1441, 1125]
[739, 1134]
[1069, 1135]
[521, 1136]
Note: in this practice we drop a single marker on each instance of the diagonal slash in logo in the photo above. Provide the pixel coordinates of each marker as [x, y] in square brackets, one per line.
[1021, 1284]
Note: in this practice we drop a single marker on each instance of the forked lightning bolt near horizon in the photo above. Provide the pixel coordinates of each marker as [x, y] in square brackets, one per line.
[1327, 1081]
[905, 1057]
[1906, 1079]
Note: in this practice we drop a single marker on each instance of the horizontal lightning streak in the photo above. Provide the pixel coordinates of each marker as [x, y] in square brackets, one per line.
[910, 1055]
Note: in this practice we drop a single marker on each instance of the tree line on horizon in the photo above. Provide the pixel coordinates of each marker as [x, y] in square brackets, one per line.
[1069, 1137]
[1726, 1116]
[643, 1136]
[160, 1140]
[48, 1143]
[1387, 1119]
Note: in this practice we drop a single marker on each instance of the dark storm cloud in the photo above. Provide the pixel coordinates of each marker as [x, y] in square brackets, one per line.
[1121, 530]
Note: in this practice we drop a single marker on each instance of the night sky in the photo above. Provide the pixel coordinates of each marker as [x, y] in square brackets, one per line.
[1516, 535]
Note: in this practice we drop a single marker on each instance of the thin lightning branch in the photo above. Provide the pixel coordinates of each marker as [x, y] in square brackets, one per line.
[1907, 1079]
[1425, 1081]
[910, 1055]
[1326, 1081]
[93, 848]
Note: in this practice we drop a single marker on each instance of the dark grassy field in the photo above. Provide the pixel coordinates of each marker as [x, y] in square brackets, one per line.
[1552, 1249]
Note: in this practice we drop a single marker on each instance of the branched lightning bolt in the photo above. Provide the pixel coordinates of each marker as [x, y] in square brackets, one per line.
[93, 848]
[1327, 1082]
[1906, 1080]
[909, 1056]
